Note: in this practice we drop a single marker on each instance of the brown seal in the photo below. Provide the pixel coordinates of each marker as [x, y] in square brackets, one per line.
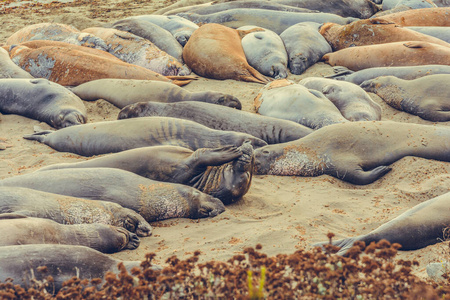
[215, 51]
[421, 17]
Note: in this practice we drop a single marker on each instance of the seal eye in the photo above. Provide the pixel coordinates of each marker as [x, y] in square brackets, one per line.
[129, 225]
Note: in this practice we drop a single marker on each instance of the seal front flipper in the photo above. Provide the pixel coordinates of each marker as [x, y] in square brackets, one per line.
[133, 241]
[359, 176]
[340, 73]
[9, 216]
[38, 136]
[214, 157]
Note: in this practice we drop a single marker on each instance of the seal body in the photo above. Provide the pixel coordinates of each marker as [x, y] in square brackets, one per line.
[356, 152]
[22, 230]
[139, 51]
[285, 100]
[63, 262]
[123, 92]
[265, 52]
[41, 100]
[115, 136]
[439, 32]
[215, 51]
[8, 69]
[413, 4]
[390, 54]
[152, 199]
[427, 97]
[423, 225]
[270, 130]
[351, 100]
[70, 210]
[305, 46]
[421, 17]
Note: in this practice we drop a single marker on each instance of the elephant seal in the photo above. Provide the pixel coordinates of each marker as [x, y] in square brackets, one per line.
[68, 66]
[224, 173]
[270, 130]
[277, 21]
[215, 51]
[408, 72]
[8, 69]
[423, 225]
[22, 230]
[41, 100]
[413, 4]
[426, 97]
[356, 152]
[285, 100]
[162, 38]
[62, 262]
[439, 32]
[123, 92]
[265, 52]
[70, 210]
[179, 27]
[138, 51]
[351, 100]
[370, 32]
[305, 46]
[390, 54]
[56, 32]
[421, 17]
[153, 200]
[115, 136]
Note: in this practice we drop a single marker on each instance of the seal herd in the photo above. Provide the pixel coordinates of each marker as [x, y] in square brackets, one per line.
[172, 153]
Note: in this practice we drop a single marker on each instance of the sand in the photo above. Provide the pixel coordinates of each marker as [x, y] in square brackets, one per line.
[281, 213]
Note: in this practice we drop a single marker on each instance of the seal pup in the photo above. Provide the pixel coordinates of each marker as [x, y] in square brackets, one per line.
[351, 100]
[389, 55]
[285, 100]
[70, 210]
[265, 51]
[224, 173]
[270, 130]
[22, 230]
[62, 262]
[41, 100]
[8, 69]
[123, 92]
[115, 136]
[420, 226]
[427, 97]
[406, 72]
[305, 46]
[215, 51]
[356, 152]
[139, 51]
[421, 17]
[153, 200]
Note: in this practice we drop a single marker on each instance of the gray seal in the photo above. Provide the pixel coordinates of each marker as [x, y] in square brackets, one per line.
[224, 173]
[153, 200]
[8, 69]
[70, 210]
[426, 97]
[305, 46]
[123, 92]
[356, 152]
[270, 130]
[294, 102]
[265, 52]
[41, 100]
[423, 225]
[351, 100]
[407, 72]
[22, 230]
[115, 136]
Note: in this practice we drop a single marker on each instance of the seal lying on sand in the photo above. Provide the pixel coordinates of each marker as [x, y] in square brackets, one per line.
[224, 173]
[70, 210]
[423, 225]
[115, 136]
[123, 92]
[270, 130]
[8, 69]
[427, 97]
[215, 51]
[62, 262]
[41, 100]
[21, 230]
[439, 32]
[356, 152]
[152, 199]
[421, 17]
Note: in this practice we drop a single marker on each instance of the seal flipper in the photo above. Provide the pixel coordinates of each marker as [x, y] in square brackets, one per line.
[344, 244]
[205, 157]
[38, 136]
[9, 216]
[340, 73]
[359, 176]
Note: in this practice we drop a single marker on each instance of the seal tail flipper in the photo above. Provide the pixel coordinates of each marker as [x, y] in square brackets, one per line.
[344, 244]
[38, 136]
[361, 177]
[255, 76]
